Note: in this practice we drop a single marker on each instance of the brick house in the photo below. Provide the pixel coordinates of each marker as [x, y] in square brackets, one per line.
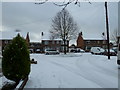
[86, 44]
[44, 44]
[33, 46]
[4, 42]
[54, 44]
[80, 41]
[48, 44]
[28, 39]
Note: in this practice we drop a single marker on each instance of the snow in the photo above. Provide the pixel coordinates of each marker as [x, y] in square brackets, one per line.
[93, 38]
[80, 70]
[20, 83]
[4, 81]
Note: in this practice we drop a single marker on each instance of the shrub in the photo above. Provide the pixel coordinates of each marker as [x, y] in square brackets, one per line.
[16, 60]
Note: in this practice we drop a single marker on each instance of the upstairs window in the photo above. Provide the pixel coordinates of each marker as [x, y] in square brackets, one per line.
[88, 42]
[57, 42]
[46, 42]
[53, 42]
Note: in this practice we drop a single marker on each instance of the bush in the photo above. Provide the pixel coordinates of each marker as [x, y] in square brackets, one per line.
[16, 60]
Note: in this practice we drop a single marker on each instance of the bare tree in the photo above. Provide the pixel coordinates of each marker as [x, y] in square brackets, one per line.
[114, 36]
[64, 27]
[53, 35]
[63, 4]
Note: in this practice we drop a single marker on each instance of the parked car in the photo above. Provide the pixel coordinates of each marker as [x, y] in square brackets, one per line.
[115, 49]
[82, 51]
[73, 50]
[112, 52]
[118, 55]
[38, 51]
[51, 51]
[77, 50]
[97, 50]
[31, 50]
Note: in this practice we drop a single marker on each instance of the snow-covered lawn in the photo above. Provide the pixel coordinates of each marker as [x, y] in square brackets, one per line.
[73, 71]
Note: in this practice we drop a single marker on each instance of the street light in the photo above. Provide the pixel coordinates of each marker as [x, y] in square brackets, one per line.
[107, 28]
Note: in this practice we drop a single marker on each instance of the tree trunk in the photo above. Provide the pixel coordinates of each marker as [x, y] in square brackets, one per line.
[64, 47]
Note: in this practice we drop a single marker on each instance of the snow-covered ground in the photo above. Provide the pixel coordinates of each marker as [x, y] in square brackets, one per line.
[73, 71]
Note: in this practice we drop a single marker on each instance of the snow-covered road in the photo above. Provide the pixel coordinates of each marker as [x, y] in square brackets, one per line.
[73, 71]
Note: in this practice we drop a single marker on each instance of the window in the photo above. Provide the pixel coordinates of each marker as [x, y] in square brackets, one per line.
[98, 42]
[88, 47]
[6, 42]
[53, 42]
[104, 42]
[88, 42]
[94, 42]
[57, 42]
[46, 42]
[42, 42]
[61, 42]
[98, 49]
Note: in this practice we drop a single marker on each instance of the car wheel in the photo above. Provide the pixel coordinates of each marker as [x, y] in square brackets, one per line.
[118, 62]
[47, 53]
[92, 53]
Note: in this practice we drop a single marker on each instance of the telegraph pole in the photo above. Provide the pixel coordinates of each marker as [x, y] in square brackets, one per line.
[107, 28]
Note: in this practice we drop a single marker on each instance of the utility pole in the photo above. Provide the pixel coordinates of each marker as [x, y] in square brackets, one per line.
[107, 28]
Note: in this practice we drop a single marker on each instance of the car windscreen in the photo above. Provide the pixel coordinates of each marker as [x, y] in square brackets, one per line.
[98, 49]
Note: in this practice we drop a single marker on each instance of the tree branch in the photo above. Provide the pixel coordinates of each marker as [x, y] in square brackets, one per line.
[41, 2]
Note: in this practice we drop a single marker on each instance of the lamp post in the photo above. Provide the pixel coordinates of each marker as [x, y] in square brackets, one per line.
[107, 28]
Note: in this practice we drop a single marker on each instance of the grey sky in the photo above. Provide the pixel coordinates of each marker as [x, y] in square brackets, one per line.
[32, 18]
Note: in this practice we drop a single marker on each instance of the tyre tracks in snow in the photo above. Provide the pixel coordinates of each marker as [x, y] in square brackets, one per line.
[95, 73]
[75, 71]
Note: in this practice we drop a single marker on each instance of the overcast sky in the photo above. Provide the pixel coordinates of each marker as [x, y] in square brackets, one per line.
[32, 18]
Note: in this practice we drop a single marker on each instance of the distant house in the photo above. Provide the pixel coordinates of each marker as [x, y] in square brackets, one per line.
[4, 42]
[34, 46]
[54, 44]
[28, 39]
[86, 44]
[39, 46]
[80, 41]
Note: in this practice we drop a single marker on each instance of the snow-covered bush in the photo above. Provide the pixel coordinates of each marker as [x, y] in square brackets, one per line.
[16, 60]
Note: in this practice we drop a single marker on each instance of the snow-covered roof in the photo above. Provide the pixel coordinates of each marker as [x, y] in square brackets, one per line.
[11, 35]
[93, 38]
[52, 39]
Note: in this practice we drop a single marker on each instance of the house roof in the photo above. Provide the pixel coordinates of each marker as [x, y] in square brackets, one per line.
[10, 35]
[93, 38]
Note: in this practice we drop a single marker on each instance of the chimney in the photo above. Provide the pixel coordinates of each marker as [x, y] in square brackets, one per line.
[27, 38]
[42, 33]
[80, 34]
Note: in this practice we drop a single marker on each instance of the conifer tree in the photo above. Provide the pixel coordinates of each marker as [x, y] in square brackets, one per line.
[16, 60]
